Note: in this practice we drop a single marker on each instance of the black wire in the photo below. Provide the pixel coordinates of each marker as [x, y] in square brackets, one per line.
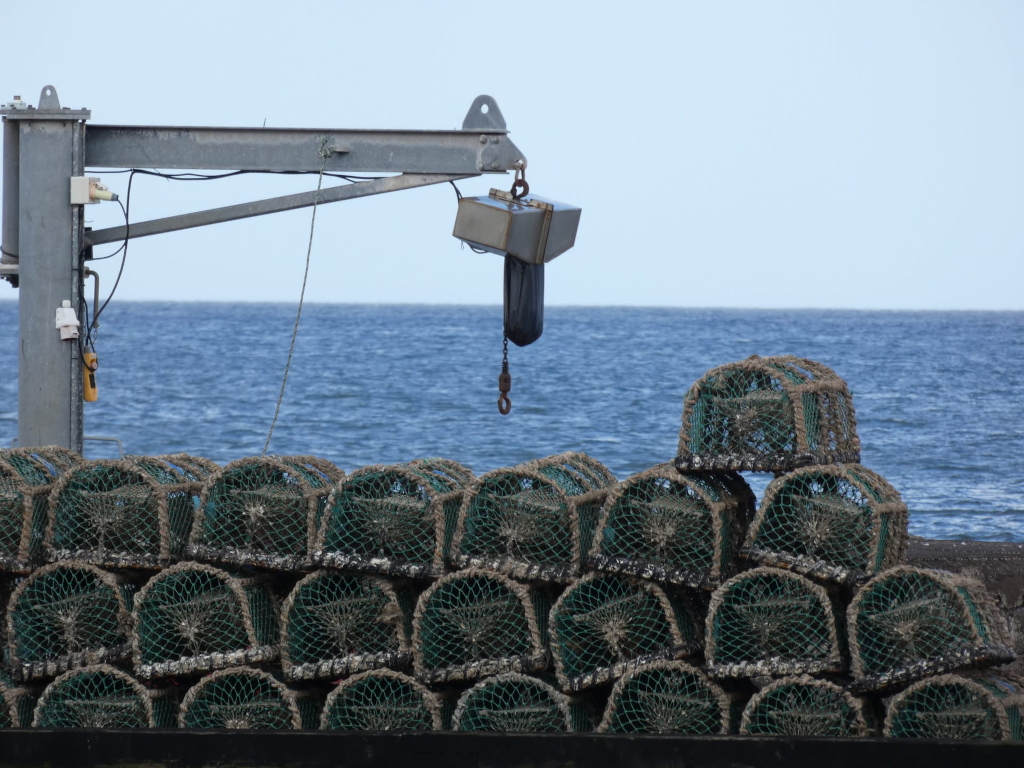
[126, 207]
[215, 176]
[190, 176]
[458, 196]
[88, 330]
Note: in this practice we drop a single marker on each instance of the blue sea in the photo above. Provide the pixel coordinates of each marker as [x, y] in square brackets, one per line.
[939, 395]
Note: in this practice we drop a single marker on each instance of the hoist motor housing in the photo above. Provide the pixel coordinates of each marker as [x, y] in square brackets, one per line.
[532, 229]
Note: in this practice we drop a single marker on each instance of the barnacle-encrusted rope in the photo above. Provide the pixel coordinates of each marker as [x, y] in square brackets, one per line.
[324, 153]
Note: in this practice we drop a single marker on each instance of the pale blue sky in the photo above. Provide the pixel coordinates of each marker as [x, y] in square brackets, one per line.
[742, 154]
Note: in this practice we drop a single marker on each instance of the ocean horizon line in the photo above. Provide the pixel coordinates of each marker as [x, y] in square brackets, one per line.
[441, 304]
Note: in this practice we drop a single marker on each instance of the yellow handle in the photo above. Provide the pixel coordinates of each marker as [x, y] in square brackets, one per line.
[89, 364]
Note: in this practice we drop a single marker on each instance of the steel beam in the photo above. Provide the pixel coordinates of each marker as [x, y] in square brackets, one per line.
[288, 149]
[270, 205]
[49, 246]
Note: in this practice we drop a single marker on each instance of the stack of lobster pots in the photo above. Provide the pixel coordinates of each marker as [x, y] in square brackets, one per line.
[281, 593]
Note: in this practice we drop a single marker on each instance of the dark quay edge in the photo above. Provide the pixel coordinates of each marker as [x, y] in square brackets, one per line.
[86, 748]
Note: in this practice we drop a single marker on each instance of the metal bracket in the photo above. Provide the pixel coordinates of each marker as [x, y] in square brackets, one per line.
[484, 115]
[48, 98]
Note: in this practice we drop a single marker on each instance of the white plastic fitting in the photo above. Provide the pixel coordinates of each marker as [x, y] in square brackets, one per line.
[88, 190]
[67, 321]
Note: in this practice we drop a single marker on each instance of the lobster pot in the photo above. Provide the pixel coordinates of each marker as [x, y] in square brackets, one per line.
[450, 473]
[334, 624]
[246, 699]
[194, 618]
[958, 707]
[769, 622]
[575, 473]
[381, 700]
[674, 527]
[803, 706]
[667, 697]
[768, 414]
[131, 513]
[102, 697]
[395, 519]
[910, 623]
[516, 703]
[534, 521]
[182, 464]
[475, 623]
[26, 479]
[67, 615]
[262, 511]
[604, 625]
[52, 460]
[839, 523]
[17, 704]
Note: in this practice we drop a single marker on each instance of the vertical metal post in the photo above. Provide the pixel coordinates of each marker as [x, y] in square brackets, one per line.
[50, 150]
[10, 194]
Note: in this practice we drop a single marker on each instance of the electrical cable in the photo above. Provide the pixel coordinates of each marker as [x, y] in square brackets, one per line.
[126, 207]
[458, 197]
[189, 176]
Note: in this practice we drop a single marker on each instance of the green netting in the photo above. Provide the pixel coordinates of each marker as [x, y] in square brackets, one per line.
[194, 618]
[803, 706]
[16, 705]
[183, 464]
[241, 699]
[603, 625]
[451, 474]
[534, 521]
[575, 473]
[910, 623]
[674, 527]
[768, 414]
[97, 697]
[1009, 690]
[587, 482]
[334, 624]
[839, 523]
[771, 622]
[263, 511]
[67, 615]
[132, 513]
[381, 700]
[667, 697]
[475, 623]
[395, 519]
[958, 707]
[43, 463]
[513, 703]
[26, 479]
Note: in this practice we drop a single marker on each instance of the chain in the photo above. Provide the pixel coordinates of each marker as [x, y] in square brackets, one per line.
[504, 381]
[324, 154]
